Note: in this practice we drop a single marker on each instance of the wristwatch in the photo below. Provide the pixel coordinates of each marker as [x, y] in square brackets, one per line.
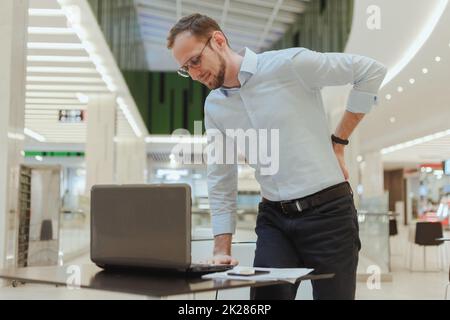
[339, 140]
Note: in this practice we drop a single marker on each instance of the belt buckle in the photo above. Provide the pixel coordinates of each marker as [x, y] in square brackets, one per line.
[297, 205]
[283, 208]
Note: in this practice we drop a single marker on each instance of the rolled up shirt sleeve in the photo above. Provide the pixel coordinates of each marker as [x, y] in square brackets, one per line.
[318, 70]
[222, 181]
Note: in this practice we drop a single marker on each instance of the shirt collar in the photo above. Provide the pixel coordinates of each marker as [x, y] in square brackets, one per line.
[249, 63]
[248, 67]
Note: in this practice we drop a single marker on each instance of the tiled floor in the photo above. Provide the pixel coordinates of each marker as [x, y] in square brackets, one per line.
[404, 285]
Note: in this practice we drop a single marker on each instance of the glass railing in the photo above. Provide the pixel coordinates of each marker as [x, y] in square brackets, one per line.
[373, 218]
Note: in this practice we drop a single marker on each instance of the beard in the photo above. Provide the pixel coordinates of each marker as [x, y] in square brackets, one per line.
[218, 79]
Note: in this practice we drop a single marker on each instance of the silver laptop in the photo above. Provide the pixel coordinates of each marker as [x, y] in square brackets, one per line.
[143, 226]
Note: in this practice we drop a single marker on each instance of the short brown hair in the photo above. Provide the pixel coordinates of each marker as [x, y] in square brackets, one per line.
[199, 25]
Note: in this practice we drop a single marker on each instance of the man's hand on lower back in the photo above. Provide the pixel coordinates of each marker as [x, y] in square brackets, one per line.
[339, 151]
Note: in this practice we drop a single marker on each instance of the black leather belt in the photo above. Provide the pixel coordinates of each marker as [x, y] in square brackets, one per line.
[313, 200]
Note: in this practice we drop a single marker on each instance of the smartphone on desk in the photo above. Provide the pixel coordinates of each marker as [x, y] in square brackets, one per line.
[256, 273]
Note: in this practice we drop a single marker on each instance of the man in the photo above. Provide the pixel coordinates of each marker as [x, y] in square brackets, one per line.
[307, 216]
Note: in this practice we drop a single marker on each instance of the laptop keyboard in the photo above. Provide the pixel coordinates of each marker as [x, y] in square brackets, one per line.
[201, 267]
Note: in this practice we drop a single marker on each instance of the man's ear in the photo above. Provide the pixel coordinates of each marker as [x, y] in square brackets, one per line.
[219, 39]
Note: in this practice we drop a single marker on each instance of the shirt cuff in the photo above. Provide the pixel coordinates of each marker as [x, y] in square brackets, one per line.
[223, 223]
[361, 102]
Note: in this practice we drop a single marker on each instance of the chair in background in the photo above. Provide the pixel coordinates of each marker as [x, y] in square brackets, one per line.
[393, 230]
[46, 230]
[425, 235]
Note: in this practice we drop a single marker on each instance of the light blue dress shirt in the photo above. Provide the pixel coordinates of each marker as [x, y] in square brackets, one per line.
[282, 90]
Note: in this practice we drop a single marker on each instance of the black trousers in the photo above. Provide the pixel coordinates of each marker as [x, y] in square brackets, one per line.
[324, 238]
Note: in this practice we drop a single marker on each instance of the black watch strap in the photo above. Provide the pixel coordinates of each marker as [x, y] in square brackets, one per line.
[338, 140]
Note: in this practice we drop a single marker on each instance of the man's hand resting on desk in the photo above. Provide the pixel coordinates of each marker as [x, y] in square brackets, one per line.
[223, 259]
[222, 250]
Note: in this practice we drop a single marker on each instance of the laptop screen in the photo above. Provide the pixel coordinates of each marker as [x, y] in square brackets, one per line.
[141, 225]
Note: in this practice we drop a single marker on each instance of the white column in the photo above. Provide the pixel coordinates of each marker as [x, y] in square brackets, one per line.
[101, 125]
[372, 178]
[13, 38]
[131, 160]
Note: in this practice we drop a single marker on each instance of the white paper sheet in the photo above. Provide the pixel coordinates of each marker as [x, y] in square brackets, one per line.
[278, 274]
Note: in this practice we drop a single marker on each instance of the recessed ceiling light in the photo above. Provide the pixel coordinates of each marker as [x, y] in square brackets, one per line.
[392, 119]
[64, 79]
[49, 94]
[40, 69]
[45, 12]
[51, 101]
[437, 59]
[400, 89]
[66, 87]
[50, 31]
[412, 80]
[55, 46]
[59, 58]
[388, 97]
[425, 70]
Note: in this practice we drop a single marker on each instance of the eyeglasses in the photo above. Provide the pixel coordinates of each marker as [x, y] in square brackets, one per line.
[193, 63]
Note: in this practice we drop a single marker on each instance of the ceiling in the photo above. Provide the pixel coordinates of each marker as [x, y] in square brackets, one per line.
[255, 24]
[67, 61]
[420, 109]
